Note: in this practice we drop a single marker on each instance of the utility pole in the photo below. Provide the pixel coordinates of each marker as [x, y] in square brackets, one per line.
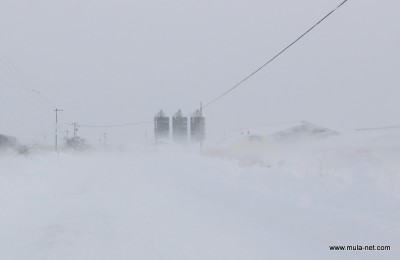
[75, 129]
[57, 110]
[201, 126]
[75, 126]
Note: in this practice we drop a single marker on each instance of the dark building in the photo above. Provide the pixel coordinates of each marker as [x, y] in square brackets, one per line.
[161, 126]
[197, 126]
[179, 127]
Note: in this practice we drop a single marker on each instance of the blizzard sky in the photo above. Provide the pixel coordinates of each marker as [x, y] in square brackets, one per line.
[120, 61]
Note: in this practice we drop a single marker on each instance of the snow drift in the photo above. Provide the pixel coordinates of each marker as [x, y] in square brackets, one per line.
[183, 205]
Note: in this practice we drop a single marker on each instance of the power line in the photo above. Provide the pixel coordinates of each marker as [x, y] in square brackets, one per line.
[19, 79]
[119, 125]
[273, 58]
[378, 128]
[11, 66]
[12, 71]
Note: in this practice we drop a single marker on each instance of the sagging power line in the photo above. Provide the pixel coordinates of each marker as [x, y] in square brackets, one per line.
[273, 58]
[378, 128]
[20, 80]
[119, 125]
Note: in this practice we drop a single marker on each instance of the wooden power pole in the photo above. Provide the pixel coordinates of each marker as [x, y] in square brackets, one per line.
[56, 138]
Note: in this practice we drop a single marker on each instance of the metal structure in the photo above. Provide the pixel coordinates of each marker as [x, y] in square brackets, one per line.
[161, 126]
[197, 126]
[179, 127]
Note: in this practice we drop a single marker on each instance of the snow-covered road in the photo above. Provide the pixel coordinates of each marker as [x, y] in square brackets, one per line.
[175, 205]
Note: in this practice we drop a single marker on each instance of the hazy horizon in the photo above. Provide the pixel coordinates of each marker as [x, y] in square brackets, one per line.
[110, 62]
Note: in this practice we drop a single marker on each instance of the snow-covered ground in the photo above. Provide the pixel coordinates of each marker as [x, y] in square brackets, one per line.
[189, 205]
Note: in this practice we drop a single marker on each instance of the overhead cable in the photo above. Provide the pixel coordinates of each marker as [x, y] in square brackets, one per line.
[118, 125]
[273, 58]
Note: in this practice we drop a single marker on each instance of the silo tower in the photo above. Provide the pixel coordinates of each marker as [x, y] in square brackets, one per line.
[161, 126]
[197, 126]
[179, 127]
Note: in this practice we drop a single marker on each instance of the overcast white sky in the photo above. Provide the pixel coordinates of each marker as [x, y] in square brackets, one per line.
[117, 61]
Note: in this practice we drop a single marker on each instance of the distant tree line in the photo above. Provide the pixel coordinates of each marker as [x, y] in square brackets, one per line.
[7, 142]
